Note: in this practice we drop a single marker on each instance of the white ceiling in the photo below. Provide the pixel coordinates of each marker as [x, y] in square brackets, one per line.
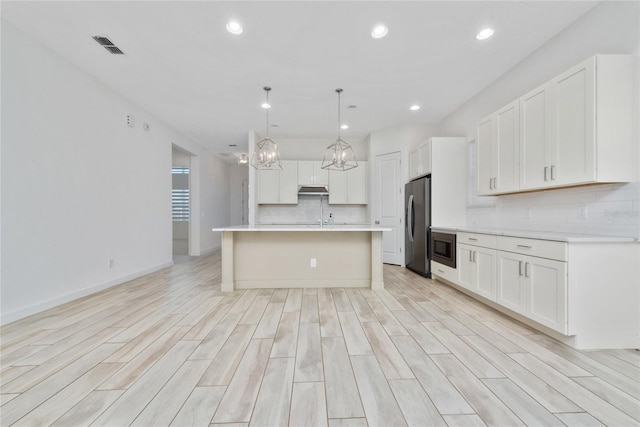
[181, 65]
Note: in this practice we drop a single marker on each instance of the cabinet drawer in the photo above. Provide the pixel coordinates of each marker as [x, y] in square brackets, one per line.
[477, 239]
[538, 248]
[446, 272]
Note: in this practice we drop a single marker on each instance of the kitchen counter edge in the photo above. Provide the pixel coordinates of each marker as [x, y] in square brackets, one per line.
[302, 228]
[540, 235]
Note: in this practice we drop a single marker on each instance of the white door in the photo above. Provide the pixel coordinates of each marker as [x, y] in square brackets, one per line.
[388, 206]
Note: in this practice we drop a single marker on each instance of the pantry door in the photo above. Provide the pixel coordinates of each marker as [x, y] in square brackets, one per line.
[388, 206]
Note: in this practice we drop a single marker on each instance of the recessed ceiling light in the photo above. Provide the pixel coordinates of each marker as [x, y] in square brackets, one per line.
[265, 105]
[484, 34]
[234, 27]
[414, 107]
[379, 31]
[345, 126]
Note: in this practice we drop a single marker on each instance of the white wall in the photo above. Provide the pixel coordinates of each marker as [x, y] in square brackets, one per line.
[237, 173]
[80, 187]
[610, 27]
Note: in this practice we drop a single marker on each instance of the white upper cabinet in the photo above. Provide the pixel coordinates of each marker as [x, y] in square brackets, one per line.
[311, 173]
[278, 186]
[535, 138]
[575, 129]
[348, 187]
[498, 147]
[420, 160]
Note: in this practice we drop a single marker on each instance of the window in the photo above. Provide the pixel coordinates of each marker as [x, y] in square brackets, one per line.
[180, 194]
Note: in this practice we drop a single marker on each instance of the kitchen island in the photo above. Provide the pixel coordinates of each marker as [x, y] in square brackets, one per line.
[301, 256]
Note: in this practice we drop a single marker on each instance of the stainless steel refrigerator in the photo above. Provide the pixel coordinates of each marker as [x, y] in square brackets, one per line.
[417, 194]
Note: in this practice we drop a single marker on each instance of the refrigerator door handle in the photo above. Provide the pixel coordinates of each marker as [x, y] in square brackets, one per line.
[410, 219]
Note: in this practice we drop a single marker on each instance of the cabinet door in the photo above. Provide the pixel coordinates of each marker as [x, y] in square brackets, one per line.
[485, 260]
[574, 126]
[466, 267]
[506, 148]
[305, 172]
[414, 164]
[484, 141]
[510, 290]
[535, 138]
[338, 187]
[320, 176]
[425, 158]
[268, 186]
[288, 182]
[546, 287]
[357, 185]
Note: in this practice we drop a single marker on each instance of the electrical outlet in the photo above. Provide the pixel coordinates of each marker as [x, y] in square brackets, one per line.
[314, 262]
[129, 120]
[583, 212]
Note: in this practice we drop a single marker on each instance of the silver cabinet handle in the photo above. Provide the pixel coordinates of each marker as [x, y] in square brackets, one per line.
[546, 173]
[553, 172]
[440, 271]
[470, 256]
[490, 183]
[473, 239]
[495, 183]
[526, 269]
[475, 256]
[524, 246]
[520, 268]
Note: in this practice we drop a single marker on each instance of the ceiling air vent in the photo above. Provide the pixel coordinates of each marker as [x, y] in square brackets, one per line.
[108, 44]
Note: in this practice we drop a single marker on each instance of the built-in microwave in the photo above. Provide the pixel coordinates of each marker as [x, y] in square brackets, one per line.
[443, 248]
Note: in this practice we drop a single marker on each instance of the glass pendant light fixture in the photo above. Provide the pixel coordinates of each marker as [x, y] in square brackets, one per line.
[265, 154]
[339, 155]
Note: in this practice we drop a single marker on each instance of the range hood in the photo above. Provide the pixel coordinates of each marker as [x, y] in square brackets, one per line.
[313, 190]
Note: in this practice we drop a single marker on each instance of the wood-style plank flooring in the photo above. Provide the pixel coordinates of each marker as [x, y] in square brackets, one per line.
[171, 349]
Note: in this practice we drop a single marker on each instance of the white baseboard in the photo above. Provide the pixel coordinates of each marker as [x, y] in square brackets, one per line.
[6, 318]
[209, 251]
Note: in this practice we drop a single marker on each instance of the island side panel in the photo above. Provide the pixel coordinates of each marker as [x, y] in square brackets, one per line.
[377, 281]
[228, 262]
[282, 259]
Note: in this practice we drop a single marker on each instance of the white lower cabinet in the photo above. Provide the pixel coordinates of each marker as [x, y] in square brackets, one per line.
[477, 269]
[585, 289]
[534, 287]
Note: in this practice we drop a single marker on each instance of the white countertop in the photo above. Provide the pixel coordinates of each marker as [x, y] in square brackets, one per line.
[541, 235]
[304, 227]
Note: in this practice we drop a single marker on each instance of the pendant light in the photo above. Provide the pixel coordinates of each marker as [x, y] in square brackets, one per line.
[265, 154]
[339, 155]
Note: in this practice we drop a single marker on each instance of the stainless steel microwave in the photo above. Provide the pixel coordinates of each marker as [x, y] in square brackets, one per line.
[443, 248]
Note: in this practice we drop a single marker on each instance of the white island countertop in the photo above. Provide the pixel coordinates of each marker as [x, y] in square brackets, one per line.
[304, 227]
[558, 236]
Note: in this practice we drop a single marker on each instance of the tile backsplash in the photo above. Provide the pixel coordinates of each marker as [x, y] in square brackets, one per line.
[609, 209]
[307, 211]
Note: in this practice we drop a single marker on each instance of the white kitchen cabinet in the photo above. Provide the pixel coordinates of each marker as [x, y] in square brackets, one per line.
[498, 146]
[448, 181]
[476, 266]
[311, 173]
[278, 186]
[584, 290]
[535, 138]
[348, 187]
[577, 128]
[532, 279]
[420, 160]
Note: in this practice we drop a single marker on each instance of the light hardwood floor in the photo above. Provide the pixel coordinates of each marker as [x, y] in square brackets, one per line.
[171, 349]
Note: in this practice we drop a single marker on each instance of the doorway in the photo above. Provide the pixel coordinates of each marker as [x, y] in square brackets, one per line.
[388, 205]
[180, 202]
